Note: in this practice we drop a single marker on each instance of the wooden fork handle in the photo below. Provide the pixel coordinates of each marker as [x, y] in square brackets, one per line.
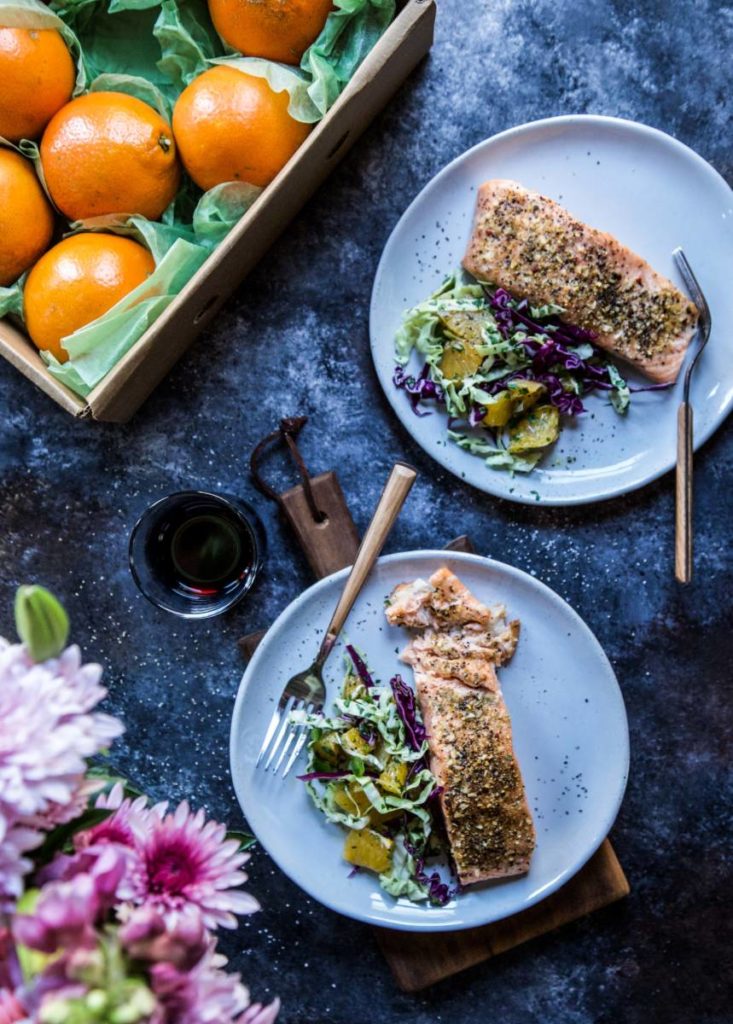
[683, 496]
[393, 498]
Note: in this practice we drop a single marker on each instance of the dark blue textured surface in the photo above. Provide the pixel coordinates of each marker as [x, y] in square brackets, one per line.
[294, 339]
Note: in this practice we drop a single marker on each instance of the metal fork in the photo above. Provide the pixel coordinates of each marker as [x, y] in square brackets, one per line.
[306, 690]
[683, 496]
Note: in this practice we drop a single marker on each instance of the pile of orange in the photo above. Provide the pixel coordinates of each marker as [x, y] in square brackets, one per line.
[108, 153]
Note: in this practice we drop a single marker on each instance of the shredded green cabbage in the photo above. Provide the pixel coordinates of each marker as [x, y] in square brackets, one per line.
[496, 456]
[373, 712]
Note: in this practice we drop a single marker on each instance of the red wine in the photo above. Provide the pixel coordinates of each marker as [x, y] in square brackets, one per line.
[196, 553]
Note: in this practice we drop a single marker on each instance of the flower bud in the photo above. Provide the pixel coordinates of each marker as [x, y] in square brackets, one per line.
[97, 1001]
[41, 622]
[138, 1005]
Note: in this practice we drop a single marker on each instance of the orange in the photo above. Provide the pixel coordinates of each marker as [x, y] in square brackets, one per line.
[276, 29]
[76, 282]
[107, 152]
[26, 217]
[230, 126]
[38, 75]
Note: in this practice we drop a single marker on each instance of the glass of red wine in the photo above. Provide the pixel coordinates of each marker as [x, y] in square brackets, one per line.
[196, 554]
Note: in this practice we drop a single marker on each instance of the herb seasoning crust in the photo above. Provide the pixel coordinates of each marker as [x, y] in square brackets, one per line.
[533, 247]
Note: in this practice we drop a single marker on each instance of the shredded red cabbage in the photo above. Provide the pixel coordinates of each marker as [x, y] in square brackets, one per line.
[439, 892]
[404, 699]
[361, 670]
[417, 388]
[476, 415]
[367, 730]
[549, 351]
[509, 315]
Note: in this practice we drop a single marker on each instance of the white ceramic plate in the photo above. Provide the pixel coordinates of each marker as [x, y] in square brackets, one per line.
[651, 192]
[570, 734]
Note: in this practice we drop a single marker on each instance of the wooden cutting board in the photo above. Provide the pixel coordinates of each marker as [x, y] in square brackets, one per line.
[419, 960]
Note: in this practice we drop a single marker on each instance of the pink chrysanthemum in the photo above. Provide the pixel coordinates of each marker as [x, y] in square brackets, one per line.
[47, 731]
[14, 843]
[46, 728]
[186, 861]
[67, 911]
[205, 995]
[147, 936]
[61, 814]
[131, 821]
[11, 1010]
[259, 1014]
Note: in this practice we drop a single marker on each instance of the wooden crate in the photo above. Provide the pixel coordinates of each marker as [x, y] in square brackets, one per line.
[129, 383]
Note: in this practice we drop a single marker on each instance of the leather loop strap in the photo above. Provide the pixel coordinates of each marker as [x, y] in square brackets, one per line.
[288, 430]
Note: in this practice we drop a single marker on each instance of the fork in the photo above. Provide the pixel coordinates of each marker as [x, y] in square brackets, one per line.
[306, 690]
[683, 496]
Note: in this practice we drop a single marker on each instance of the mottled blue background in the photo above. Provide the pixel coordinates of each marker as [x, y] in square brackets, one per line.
[293, 339]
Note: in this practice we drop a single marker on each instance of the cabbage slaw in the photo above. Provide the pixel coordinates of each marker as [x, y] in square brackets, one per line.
[519, 344]
[344, 767]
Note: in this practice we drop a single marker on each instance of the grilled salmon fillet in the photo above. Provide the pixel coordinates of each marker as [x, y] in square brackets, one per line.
[456, 645]
[486, 815]
[531, 246]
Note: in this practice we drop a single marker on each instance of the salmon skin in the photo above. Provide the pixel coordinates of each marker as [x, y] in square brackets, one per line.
[456, 646]
[531, 246]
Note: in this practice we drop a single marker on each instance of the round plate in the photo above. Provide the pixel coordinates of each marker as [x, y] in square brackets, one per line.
[570, 736]
[653, 194]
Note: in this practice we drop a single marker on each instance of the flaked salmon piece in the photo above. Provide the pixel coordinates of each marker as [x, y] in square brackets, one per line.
[457, 644]
[495, 642]
[535, 249]
[487, 819]
[440, 602]
[466, 654]
[409, 605]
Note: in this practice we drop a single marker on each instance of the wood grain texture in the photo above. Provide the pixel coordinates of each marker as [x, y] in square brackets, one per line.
[331, 544]
[418, 960]
[248, 644]
[683, 496]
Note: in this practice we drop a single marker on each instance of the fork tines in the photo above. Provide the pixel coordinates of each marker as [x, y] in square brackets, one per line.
[282, 734]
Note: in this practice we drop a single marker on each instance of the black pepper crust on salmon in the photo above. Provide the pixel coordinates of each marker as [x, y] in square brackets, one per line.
[457, 645]
[535, 249]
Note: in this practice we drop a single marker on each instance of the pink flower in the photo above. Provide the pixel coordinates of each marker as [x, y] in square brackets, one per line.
[147, 936]
[259, 1014]
[10, 972]
[205, 995]
[15, 842]
[127, 826]
[187, 862]
[10, 1009]
[47, 731]
[61, 814]
[67, 911]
